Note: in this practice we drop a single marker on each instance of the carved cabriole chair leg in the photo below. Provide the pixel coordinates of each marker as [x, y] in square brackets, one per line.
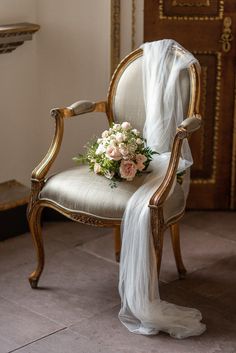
[35, 229]
[158, 235]
[117, 243]
[174, 230]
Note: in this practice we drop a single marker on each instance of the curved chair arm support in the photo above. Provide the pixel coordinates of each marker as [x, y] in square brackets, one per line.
[188, 126]
[41, 170]
[78, 108]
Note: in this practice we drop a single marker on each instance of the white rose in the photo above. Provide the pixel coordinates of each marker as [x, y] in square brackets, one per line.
[116, 126]
[139, 141]
[136, 132]
[101, 149]
[97, 168]
[105, 134]
[119, 137]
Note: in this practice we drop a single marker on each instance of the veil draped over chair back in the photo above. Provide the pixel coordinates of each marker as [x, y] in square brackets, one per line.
[142, 310]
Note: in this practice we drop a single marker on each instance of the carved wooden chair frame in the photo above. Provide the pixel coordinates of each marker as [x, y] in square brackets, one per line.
[38, 179]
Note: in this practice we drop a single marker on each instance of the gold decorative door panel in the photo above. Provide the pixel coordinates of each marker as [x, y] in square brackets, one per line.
[206, 28]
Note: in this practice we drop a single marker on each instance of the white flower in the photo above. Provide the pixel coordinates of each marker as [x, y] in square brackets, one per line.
[139, 141]
[105, 134]
[132, 147]
[124, 150]
[119, 137]
[109, 175]
[101, 149]
[116, 126]
[125, 125]
[136, 132]
[97, 168]
[99, 140]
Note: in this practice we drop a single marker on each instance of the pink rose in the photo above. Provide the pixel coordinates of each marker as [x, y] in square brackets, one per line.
[140, 159]
[113, 152]
[125, 125]
[124, 151]
[128, 170]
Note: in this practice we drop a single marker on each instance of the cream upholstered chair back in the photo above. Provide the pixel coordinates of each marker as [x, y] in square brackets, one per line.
[125, 96]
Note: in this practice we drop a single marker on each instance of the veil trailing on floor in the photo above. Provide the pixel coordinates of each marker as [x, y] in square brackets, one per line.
[142, 310]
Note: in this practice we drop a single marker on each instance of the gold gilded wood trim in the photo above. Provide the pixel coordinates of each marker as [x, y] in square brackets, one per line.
[203, 111]
[226, 36]
[219, 16]
[233, 165]
[80, 217]
[194, 73]
[133, 44]
[212, 179]
[115, 34]
[191, 3]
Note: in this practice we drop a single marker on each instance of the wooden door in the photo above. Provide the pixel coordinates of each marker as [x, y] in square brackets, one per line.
[207, 29]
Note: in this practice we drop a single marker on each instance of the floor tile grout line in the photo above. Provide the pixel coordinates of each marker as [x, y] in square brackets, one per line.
[100, 257]
[206, 231]
[30, 310]
[38, 339]
[194, 271]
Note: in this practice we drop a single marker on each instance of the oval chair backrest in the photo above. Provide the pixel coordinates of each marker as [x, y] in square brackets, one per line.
[125, 95]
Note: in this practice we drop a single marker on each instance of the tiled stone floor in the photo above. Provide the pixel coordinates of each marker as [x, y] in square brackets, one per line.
[75, 309]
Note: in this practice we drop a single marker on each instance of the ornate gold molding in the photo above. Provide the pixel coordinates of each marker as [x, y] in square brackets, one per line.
[203, 111]
[115, 34]
[226, 36]
[219, 16]
[212, 179]
[233, 165]
[191, 3]
[133, 44]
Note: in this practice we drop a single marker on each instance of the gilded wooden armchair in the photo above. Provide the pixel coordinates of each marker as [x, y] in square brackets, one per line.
[71, 192]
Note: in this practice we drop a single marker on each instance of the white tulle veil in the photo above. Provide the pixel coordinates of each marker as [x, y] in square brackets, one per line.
[142, 310]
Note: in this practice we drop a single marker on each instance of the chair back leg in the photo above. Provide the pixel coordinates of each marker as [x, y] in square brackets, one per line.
[117, 243]
[175, 238]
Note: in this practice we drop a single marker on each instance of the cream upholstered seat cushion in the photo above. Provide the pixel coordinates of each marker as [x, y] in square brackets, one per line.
[80, 190]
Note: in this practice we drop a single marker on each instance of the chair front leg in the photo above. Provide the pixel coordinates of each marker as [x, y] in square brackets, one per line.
[35, 229]
[157, 226]
[174, 231]
[117, 243]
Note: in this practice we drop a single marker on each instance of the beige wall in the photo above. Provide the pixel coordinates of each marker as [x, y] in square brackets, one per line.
[18, 98]
[67, 60]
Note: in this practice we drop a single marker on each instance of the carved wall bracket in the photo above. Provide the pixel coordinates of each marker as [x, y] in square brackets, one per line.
[14, 35]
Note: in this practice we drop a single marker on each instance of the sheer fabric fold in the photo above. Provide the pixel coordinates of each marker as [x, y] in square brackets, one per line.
[142, 310]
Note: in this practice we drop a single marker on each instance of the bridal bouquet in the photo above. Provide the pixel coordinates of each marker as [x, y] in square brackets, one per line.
[119, 154]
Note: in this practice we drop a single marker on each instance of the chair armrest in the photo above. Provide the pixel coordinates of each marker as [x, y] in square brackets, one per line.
[191, 124]
[78, 108]
[188, 126]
